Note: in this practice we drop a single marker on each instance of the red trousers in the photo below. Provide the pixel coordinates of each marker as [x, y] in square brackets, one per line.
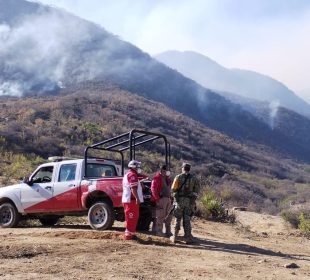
[131, 210]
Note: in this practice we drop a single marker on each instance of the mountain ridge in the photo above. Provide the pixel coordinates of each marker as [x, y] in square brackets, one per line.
[246, 83]
[71, 50]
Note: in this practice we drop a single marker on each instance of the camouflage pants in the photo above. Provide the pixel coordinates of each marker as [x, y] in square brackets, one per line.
[183, 211]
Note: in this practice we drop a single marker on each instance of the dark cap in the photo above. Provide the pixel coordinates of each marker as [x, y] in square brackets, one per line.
[163, 167]
[186, 166]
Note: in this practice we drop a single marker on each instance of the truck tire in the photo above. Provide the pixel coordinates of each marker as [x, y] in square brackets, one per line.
[49, 221]
[101, 216]
[9, 216]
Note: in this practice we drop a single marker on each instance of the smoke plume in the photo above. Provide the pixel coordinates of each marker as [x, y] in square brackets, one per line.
[273, 106]
[37, 54]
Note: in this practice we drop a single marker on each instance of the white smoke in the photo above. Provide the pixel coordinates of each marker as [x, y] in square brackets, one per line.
[273, 106]
[37, 50]
[11, 89]
[52, 47]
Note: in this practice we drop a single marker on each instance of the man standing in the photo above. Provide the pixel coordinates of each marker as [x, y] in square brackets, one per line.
[185, 190]
[131, 198]
[161, 193]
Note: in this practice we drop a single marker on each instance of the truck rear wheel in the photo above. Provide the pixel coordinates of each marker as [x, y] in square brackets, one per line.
[101, 216]
[9, 216]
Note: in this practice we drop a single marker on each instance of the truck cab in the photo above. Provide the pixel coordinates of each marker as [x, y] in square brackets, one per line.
[55, 186]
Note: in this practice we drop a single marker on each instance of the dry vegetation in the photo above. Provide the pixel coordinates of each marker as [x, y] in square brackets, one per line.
[246, 174]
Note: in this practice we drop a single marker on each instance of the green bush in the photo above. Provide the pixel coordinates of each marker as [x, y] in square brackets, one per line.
[298, 219]
[16, 166]
[307, 168]
[291, 217]
[211, 206]
[304, 224]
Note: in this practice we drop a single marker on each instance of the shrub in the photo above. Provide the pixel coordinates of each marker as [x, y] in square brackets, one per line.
[304, 224]
[299, 219]
[291, 217]
[307, 168]
[211, 206]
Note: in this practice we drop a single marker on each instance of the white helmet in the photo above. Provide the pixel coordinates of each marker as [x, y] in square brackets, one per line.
[134, 164]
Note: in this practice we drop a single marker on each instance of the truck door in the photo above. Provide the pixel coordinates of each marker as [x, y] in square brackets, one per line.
[65, 188]
[36, 197]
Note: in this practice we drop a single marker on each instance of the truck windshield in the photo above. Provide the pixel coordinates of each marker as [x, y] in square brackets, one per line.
[98, 170]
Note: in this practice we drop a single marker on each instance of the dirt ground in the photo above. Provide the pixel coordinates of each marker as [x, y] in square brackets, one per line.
[256, 247]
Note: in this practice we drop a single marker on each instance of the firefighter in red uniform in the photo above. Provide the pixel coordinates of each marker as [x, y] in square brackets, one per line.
[131, 199]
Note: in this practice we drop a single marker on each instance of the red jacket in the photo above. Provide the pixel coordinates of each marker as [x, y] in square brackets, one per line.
[157, 185]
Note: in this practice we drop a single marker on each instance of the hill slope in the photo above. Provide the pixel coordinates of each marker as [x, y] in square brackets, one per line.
[87, 112]
[46, 49]
[251, 175]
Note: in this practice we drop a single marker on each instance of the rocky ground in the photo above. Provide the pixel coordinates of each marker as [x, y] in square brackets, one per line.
[256, 247]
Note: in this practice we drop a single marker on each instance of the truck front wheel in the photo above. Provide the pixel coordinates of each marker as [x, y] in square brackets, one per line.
[9, 216]
[101, 216]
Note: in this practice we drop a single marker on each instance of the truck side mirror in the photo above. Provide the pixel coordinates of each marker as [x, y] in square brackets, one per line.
[27, 181]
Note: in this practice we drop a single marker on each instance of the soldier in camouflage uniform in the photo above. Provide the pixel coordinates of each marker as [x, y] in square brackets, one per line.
[185, 190]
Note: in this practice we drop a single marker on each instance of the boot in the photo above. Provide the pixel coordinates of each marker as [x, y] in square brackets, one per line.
[160, 234]
[189, 239]
[173, 238]
[168, 231]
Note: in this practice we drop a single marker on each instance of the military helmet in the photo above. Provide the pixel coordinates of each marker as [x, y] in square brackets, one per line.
[186, 166]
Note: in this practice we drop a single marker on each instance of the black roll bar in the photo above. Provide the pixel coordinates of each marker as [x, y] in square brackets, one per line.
[128, 141]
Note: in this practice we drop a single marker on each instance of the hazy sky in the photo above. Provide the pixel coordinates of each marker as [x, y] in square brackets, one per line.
[267, 36]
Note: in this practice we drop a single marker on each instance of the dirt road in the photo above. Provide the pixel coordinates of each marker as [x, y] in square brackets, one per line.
[221, 251]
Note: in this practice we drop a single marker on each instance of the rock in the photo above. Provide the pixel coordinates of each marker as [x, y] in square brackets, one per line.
[239, 208]
[291, 265]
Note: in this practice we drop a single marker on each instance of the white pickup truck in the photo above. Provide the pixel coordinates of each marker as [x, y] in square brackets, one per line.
[91, 186]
